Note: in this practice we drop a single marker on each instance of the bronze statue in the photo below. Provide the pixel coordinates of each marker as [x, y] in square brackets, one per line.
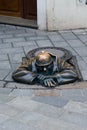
[46, 69]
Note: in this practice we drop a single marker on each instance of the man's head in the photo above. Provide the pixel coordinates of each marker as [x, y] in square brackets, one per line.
[44, 62]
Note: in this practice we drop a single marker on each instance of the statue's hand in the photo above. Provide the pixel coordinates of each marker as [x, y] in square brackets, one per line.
[49, 82]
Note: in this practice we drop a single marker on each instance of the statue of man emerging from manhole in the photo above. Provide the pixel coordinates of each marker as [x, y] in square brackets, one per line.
[45, 69]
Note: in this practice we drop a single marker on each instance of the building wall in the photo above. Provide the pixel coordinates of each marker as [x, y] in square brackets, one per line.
[66, 14]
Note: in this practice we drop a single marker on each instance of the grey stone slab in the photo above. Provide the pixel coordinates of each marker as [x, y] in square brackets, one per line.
[15, 125]
[83, 38]
[22, 34]
[16, 58]
[84, 74]
[26, 43]
[54, 101]
[24, 103]
[71, 92]
[3, 57]
[3, 118]
[56, 38]
[28, 116]
[5, 98]
[49, 111]
[72, 50]
[37, 38]
[60, 44]
[3, 74]
[8, 110]
[8, 78]
[79, 31]
[6, 36]
[13, 39]
[7, 45]
[11, 50]
[84, 91]
[14, 31]
[22, 92]
[75, 43]
[51, 124]
[22, 86]
[5, 65]
[29, 48]
[44, 43]
[76, 107]
[5, 91]
[75, 118]
[45, 33]
[82, 65]
[68, 36]
[85, 59]
[82, 51]
[2, 83]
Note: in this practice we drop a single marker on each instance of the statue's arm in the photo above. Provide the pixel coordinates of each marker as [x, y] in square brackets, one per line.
[24, 74]
[67, 74]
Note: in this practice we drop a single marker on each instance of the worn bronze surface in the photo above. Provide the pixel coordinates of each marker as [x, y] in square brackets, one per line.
[48, 66]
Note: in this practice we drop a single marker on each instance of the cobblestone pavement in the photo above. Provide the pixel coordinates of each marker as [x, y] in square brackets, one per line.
[34, 107]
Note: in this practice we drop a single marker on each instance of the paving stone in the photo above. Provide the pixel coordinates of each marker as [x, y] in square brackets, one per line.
[6, 36]
[22, 92]
[49, 111]
[71, 49]
[5, 65]
[54, 101]
[22, 34]
[82, 65]
[3, 118]
[5, 91]
[85, 59]
[16, 58]
[11, 50]
[29, 48]
[26, 43]
[79, 31]
[3, 57]
[75, 118]
[76, 107]
[8, 78]
[5, 98]
[83, 38]
[45, 33]
[7, 45]
[51, 124]
[13, 40]
[22, 86]
[71, 92]
[37, 38]
[60, 44]
[75, 43]
[84, 91]
[14, 31]
[68, 36]
[84, 74]
[82, 51]
[44, 43]
[3, 74]
[2, 83]
[56, 38]
[24, 103]
[15, 125]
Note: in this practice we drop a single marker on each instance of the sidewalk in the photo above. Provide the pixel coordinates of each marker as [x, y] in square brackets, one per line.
[23, 106]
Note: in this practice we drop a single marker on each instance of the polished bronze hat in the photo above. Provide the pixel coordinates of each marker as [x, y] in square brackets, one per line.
[43, 59]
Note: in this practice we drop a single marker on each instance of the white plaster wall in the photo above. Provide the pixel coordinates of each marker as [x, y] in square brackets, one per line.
[66, 14]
